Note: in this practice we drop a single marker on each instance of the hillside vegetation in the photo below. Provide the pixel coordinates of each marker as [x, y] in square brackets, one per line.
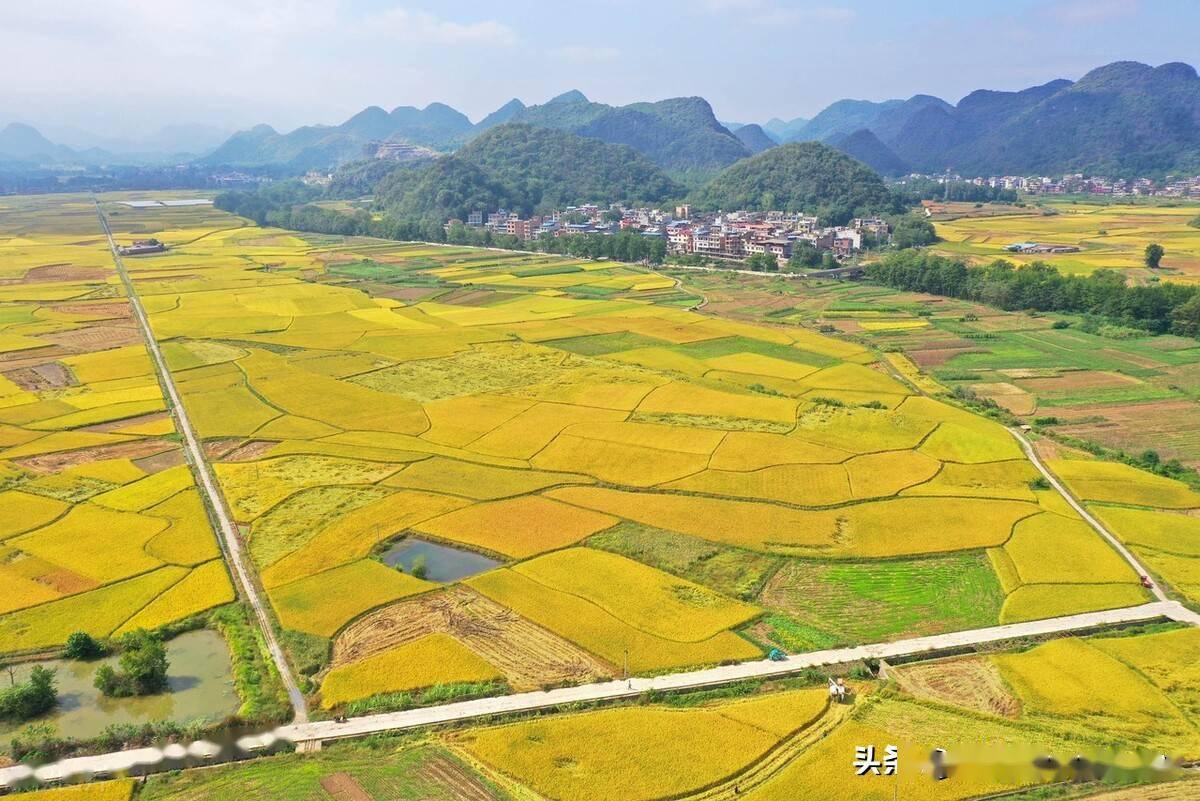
[801, 176]
[528, 169]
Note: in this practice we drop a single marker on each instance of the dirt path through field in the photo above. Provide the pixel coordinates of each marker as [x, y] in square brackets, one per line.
[207, 484]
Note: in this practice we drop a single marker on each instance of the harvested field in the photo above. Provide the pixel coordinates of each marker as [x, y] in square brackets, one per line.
[57, 462]
[454, 780]
[344, 787]
[970, 682]
[528, 655]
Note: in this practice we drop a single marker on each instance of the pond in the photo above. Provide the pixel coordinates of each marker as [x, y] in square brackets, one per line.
[442, 563]
[200, 678]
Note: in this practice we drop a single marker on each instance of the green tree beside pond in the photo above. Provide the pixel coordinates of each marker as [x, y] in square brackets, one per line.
[31, 698]
[143, 665]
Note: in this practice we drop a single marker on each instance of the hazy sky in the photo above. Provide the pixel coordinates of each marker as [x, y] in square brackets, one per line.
[120, 66]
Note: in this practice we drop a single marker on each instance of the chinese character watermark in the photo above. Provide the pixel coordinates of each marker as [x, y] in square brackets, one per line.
[866, 762]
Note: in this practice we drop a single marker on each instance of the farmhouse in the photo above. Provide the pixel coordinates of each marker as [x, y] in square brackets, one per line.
[141, 247]
[1039, 247]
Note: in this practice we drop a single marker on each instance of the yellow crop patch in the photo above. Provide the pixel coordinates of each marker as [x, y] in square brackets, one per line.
[1007, 479]
[1120, 483]
[18, 591]
[1038, 601]
[598, 631]
[1129, 705]
[862, 430]
[98, 612]
[680, 398]
[647, 599]
[323, 603]
[481, 482]
[190, 539]
[803, 485]
[1163, 531]
[616, 462]
[752, 450]
[528, 432]
[251, 488]
[757, 364]
[20, 511]
[518, 527]
[355, 531]
[587, 755]
[205, 588]
[434, 659]
[149, 491]
[876, 475]
[1037, 539]
[99, 543]
[119, 790]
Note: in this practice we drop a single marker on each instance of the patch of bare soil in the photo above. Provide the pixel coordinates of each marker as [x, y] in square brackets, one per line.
[456, 781]
[18, 359]
[67, 582]
[59, 272]
[344, 787]
[113, 425]
[96, 337]
[56, 462]
[408, 293]
[529, 656]
[248, 451]
[159, 462]
[971, 682]
[39, 377]
[114, 310]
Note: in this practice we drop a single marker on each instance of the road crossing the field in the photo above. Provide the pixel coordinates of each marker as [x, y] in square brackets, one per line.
[311, 733]
[726, 674]
[207, 484]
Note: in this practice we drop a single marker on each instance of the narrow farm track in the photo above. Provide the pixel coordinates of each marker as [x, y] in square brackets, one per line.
[775, 760]
[1032, 455]
[1060, 488]
[202, 472]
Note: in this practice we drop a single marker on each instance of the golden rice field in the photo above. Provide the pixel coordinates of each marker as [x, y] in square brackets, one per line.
[101, 529]
[1008, 707]
[352, 392]
[1108, 237]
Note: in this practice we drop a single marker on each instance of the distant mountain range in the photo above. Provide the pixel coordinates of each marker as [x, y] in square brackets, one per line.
[1121, 119]
[22, 143]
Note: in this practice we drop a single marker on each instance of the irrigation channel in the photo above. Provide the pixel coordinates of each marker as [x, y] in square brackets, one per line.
[307, 736]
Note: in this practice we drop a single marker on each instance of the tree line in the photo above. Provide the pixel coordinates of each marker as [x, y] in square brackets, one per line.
[1158, 308]
[283, 208]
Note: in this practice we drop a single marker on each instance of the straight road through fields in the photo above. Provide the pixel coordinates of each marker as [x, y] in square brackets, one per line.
[313, 732]
[207, 484]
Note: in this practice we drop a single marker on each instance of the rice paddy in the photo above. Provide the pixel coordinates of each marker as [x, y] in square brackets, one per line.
[98, 532]
[665, 489]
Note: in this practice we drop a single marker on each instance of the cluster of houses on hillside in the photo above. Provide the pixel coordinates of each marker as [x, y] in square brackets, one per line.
[735, 235]
[1080, 184]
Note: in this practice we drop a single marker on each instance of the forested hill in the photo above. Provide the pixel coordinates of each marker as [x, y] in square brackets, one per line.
[681, 135]
[800, 176]
[524, 168]
[1124, 118]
